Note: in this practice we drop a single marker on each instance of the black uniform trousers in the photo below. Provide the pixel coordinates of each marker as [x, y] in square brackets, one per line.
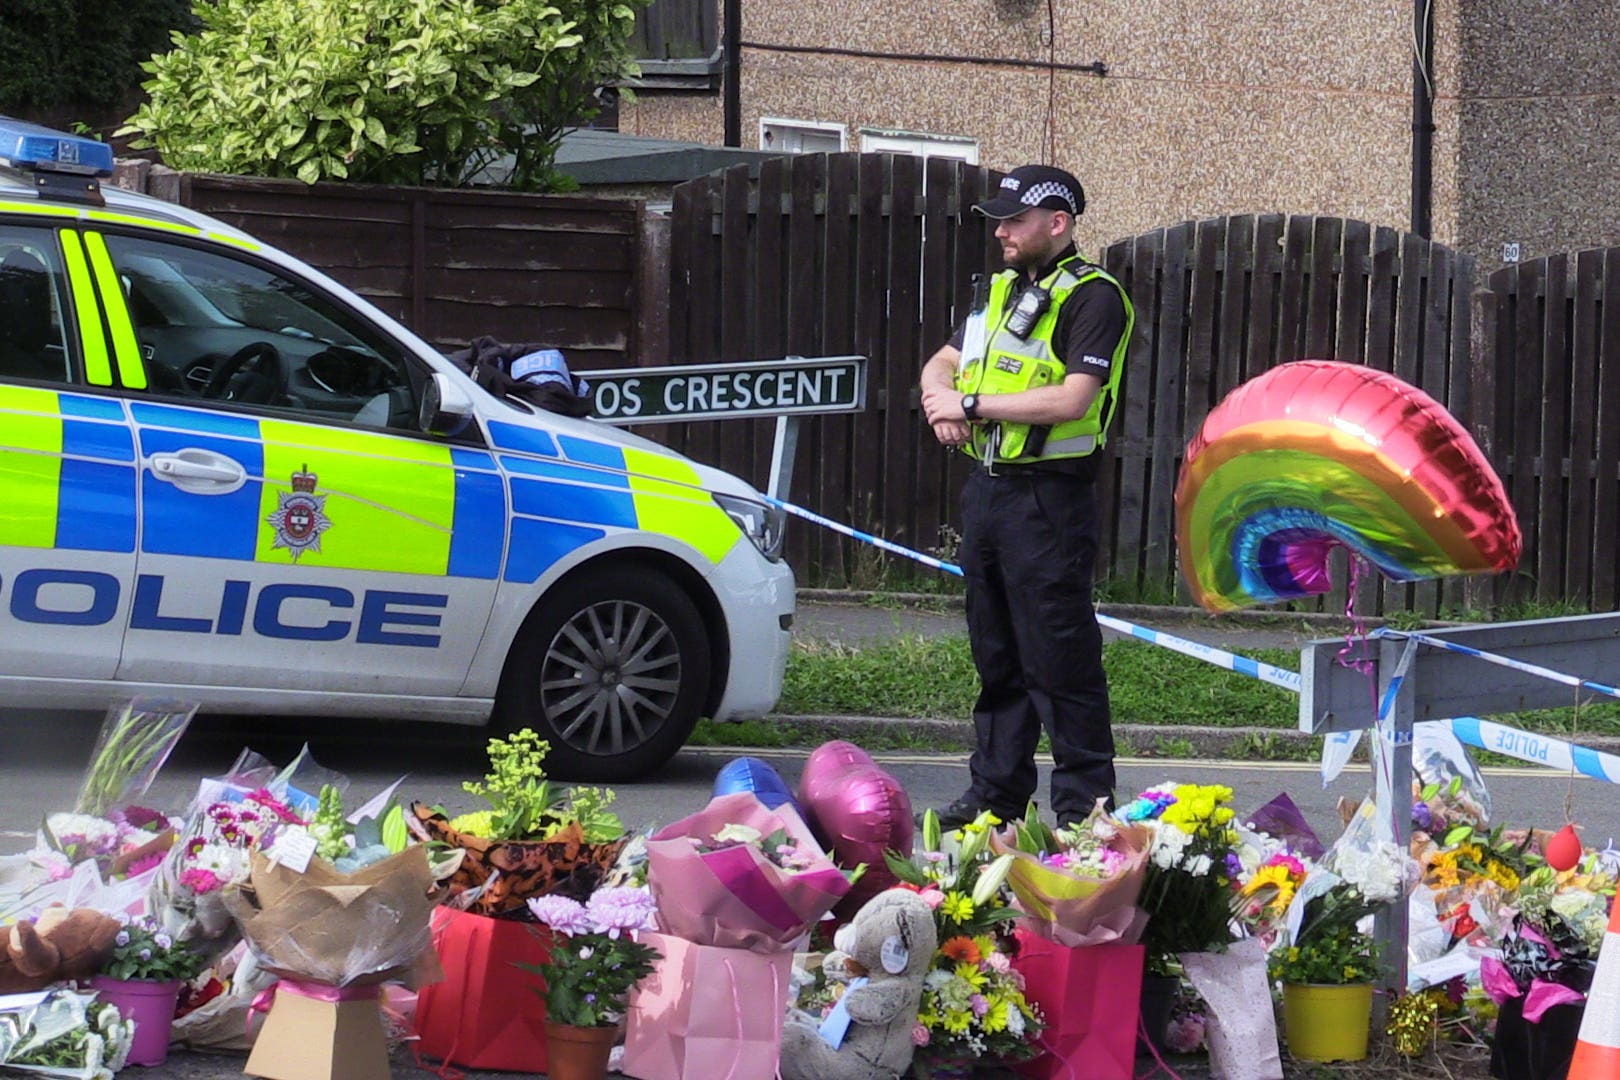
[1029, 545]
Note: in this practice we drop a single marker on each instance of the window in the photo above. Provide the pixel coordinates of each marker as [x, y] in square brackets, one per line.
[217, 328]
[800, 136]
[904, 142]
[32, 300]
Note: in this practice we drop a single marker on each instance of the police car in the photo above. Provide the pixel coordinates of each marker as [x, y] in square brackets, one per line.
[227, 478]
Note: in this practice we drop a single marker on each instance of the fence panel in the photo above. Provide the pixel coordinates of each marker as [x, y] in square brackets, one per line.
[1557, 401]
[456, 264]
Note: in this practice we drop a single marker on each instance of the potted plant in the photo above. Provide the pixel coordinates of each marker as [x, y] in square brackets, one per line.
[594, 964]
[1327, 971]
[142, 980]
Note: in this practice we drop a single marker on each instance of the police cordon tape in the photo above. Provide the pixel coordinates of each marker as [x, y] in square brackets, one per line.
[1483, 734]
[1268, 673]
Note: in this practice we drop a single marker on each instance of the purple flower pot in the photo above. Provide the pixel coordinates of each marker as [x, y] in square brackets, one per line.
[151, 1005]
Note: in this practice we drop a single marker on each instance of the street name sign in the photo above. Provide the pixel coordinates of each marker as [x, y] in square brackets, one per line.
[794, 386]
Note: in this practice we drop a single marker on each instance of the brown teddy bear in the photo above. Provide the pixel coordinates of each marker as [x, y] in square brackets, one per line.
[60, 944]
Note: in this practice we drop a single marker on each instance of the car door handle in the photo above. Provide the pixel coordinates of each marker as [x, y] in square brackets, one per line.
[199, 472]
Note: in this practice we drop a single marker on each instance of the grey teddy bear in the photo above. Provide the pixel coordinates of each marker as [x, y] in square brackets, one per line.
[893, 940]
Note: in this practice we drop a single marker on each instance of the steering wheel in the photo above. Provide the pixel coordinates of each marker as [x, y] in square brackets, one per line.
[254, 375]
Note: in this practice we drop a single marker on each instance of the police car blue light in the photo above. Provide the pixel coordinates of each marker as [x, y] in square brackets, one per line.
[29, 146]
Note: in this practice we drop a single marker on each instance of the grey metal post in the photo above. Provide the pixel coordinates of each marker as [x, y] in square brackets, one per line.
[1392, 772]
[782, 453]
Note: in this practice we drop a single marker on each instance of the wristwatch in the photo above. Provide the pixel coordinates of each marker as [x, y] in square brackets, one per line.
[970, 406]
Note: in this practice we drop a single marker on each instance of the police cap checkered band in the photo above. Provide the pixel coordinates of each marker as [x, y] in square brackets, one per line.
[1035, 186]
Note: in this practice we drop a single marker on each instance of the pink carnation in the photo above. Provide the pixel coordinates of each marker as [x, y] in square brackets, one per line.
[919, 1035]
[200, 881]
[933, 898]
[998, 962]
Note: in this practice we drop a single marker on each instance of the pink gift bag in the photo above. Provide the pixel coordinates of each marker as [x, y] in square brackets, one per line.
[707, 1013]
[1090, 996]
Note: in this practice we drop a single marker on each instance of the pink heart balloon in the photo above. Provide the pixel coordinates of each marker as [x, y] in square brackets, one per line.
[822, 774]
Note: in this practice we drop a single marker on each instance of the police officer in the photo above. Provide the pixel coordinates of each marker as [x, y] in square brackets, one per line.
[1027, 386]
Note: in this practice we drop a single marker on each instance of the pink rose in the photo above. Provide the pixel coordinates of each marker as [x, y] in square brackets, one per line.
[919, 1035]
[933, 898]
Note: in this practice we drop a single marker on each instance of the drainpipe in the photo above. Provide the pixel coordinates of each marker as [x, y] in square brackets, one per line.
[1422, 117]
[732, 90]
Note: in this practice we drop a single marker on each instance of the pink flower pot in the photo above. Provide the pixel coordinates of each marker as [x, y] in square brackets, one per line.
[151, 1005]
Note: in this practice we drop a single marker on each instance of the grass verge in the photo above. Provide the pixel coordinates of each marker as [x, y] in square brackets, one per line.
[914, 677]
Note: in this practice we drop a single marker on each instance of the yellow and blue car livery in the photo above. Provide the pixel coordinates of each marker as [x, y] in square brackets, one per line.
[257, 560]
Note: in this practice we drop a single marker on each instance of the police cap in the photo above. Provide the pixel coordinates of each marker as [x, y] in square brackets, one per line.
[1040, 186]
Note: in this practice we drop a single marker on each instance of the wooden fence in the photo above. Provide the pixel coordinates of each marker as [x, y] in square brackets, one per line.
[829, 254]
[1221, 300]
[1550, 332]
[454, 264]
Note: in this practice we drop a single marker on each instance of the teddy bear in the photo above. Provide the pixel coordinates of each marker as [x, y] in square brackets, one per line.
[890, 947]
[58, 945]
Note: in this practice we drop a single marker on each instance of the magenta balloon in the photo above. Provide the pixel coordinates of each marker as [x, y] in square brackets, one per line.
[867, 814]
[822, 770]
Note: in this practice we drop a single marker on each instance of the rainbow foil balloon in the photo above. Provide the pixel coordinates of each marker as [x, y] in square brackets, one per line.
[1317, 454]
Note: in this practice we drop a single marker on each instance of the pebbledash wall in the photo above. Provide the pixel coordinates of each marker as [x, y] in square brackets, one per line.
[1228, 106]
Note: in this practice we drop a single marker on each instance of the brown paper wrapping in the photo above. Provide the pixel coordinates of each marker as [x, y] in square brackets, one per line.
[328, 927]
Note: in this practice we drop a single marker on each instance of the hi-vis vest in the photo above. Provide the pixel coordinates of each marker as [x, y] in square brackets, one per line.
[1006, 364]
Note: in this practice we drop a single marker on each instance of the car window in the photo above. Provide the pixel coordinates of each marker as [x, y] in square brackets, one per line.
[32, 301]
[219, 328]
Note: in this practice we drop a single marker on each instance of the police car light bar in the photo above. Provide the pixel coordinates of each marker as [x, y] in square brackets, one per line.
[39, 149]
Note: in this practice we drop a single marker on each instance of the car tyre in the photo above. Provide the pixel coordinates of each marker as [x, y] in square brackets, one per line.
[612, 670]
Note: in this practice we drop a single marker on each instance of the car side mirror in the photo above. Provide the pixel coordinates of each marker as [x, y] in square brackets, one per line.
[447, 408]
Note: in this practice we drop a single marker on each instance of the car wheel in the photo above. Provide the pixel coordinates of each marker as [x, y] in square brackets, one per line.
[612, 670]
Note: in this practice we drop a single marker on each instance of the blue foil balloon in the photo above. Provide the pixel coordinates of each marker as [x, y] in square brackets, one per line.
[758, 777]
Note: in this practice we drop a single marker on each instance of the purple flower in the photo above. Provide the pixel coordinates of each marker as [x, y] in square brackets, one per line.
[146, 954]
[618, 909]
[563, 915]
[164, 941]
[1422, 816]
[1234, 865]
[979, 1004]
[122, 939]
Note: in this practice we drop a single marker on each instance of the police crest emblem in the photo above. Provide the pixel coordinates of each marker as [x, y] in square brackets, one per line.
[300, 516]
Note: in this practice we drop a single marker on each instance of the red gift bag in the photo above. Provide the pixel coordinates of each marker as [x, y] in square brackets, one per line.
[707, 1012]
[487, 1013]
[1090, 997]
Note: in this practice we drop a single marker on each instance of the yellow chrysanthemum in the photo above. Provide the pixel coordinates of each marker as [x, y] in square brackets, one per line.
[972, 975]
[995, 1018]
[958, 907]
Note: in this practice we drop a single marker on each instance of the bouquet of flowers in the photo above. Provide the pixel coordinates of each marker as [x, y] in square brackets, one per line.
[135, 740]
[1263, 898]
[595, 961]
[738, 875]
[973, 1004]
[126, 843]
[66, 1034]
[233, 817]
[1550, 949]
[532, 840]
[1190, 861]
[1077, 885]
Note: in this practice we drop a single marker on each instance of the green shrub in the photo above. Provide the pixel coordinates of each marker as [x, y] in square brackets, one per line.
[79, 51]
[388, 91]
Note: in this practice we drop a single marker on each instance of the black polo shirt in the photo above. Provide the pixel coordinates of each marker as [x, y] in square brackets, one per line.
[1089, 324]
